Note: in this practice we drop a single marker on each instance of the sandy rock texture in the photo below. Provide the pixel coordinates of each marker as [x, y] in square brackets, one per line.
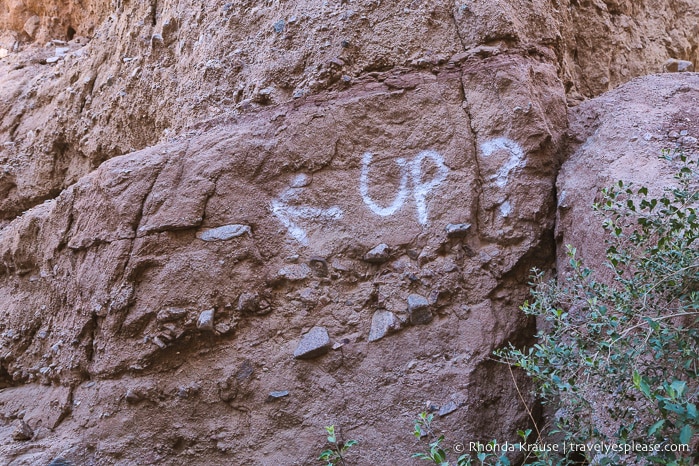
[621, 136]
[193, 193]
[269, 224]
[120, 76]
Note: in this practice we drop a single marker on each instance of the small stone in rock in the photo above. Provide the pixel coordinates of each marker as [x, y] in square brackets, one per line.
[171, 314]
[294, 272]
[31, 25]
[319, 266]
[313, 344]
[448, 408]
[276, 395]
[249, 303]
[457, 230]
[383, 323]
[22, 432]
[60, 462]
[678, 66]
[378, 254]
[160, 343]
[206, 320]
[225, 232]
[419, 310]
[132, 396]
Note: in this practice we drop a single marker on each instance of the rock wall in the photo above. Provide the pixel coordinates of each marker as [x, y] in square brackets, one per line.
[133, 74]
[194, 195]
[621, 136]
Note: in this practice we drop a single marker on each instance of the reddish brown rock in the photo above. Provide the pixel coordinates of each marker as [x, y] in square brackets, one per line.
[182, 157]
[620, 136]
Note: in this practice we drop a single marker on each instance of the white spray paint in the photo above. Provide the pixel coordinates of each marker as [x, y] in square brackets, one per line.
[289, 215]
[516, 159]
[420, 188]
[364, 187]
[506, 209]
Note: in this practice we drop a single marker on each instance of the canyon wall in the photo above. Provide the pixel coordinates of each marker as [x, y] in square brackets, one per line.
[225, 225]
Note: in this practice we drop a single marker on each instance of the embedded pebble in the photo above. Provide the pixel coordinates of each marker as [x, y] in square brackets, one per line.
[294, 272]
[678, 66]
[419, 310]
[249, 303]
[225, 232]
[276, 395]
[22, 432]
[313, 344]
[31, 25]
[457, 230]
[383, 323]
[279, 26]
[448, 408]
[378, 254]
[171, 314]
[132, 396]
[206, 320]
[60, 462]
[160, 343]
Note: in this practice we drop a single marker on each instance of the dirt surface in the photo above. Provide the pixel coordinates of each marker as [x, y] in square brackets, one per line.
[188, 189]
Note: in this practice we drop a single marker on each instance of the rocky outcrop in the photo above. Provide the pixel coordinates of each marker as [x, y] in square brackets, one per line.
[121, 76]
[87, 276]
[621, 136]
[189, 191]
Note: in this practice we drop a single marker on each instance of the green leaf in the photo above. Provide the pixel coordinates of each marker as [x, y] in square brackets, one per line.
[655, 427]
[679, 387]
[686, 434]
[674, 407]
[641, 384]
[439, 455]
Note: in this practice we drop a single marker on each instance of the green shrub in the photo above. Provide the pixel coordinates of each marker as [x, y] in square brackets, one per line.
[335, 454]
[618, 358]
[423, 429]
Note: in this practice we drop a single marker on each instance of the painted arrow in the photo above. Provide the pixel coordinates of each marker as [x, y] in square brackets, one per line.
[289, 215]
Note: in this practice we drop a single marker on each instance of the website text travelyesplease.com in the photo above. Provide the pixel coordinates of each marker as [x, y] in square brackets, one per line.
[569, 447]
